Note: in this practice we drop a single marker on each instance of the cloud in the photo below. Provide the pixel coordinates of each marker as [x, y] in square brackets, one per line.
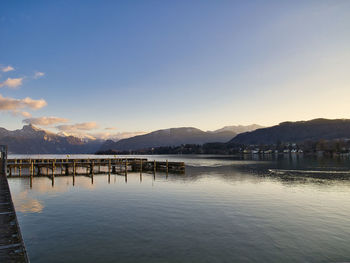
[45, 121]
[39, 74]
[12, 104]
[34, 104]
[85, 126]
[7, 69]
[110, 128]
[24, 114]
[11, 83]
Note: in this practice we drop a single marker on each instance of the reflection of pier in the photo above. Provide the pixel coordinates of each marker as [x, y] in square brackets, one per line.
[11, 243]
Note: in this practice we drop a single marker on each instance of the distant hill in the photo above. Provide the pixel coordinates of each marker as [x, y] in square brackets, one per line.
[168, 137]
[297, 132]
[31, 140]
[240, 128]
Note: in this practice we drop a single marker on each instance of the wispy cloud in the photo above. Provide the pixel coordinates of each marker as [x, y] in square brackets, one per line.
[24, 114]
[12, 104]
[39, 74]
[11, 83]
[110, 128]
[85, 126]
[45, 121]
[7, 69]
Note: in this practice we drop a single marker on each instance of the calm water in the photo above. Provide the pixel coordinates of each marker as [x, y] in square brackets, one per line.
[221, 210]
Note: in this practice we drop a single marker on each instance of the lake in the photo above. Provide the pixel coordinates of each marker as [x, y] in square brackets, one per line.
[223, 209]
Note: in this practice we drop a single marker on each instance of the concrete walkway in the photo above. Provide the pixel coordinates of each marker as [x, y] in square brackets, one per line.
[11, 243]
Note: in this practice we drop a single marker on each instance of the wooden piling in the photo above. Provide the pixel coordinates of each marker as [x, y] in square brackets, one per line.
[140, 166]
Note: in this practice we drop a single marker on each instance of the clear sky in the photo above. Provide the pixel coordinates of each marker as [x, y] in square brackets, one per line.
[127, 66]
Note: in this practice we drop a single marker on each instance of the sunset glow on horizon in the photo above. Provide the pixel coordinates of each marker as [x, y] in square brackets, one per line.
[124, 68]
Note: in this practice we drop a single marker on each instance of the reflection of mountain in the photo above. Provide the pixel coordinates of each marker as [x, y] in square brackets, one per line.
[32, 140]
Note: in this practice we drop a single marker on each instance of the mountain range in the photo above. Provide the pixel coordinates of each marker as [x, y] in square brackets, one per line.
[176, 137]
[299, 131]
[32, 140]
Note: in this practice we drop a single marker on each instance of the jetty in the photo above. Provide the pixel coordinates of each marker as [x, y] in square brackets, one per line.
[88, 166]
[12, 247]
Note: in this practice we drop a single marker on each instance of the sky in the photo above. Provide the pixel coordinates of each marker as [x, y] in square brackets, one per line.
[117, 68]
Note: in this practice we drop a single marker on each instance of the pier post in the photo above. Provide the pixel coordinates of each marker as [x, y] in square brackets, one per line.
[140, 166]
[31, 174]
[92, 167]
[31, 168]
[20, 167]
[67, 169]
[141, 170]
[126, 166]
[31, 182]
[154, 166]
[53, 168]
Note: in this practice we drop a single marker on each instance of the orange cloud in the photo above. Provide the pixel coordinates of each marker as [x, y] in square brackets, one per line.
[11, 83]
[85, 126]
[45, 121]
[7, 69]
[12, 104]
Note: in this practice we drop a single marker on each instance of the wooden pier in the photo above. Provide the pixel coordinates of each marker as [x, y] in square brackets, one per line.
[12, 247]
[88, 166]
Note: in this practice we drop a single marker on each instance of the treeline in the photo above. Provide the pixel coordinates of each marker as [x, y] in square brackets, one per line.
[326, 147]
[207, 148]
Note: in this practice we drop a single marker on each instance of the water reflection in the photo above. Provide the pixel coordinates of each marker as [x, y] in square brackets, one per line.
[210, 214]
[26, 204]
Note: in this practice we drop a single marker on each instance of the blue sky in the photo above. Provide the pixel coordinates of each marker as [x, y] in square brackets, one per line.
[146, 65]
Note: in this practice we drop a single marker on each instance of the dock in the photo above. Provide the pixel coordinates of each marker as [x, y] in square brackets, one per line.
[88, 166]
[12, 247]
